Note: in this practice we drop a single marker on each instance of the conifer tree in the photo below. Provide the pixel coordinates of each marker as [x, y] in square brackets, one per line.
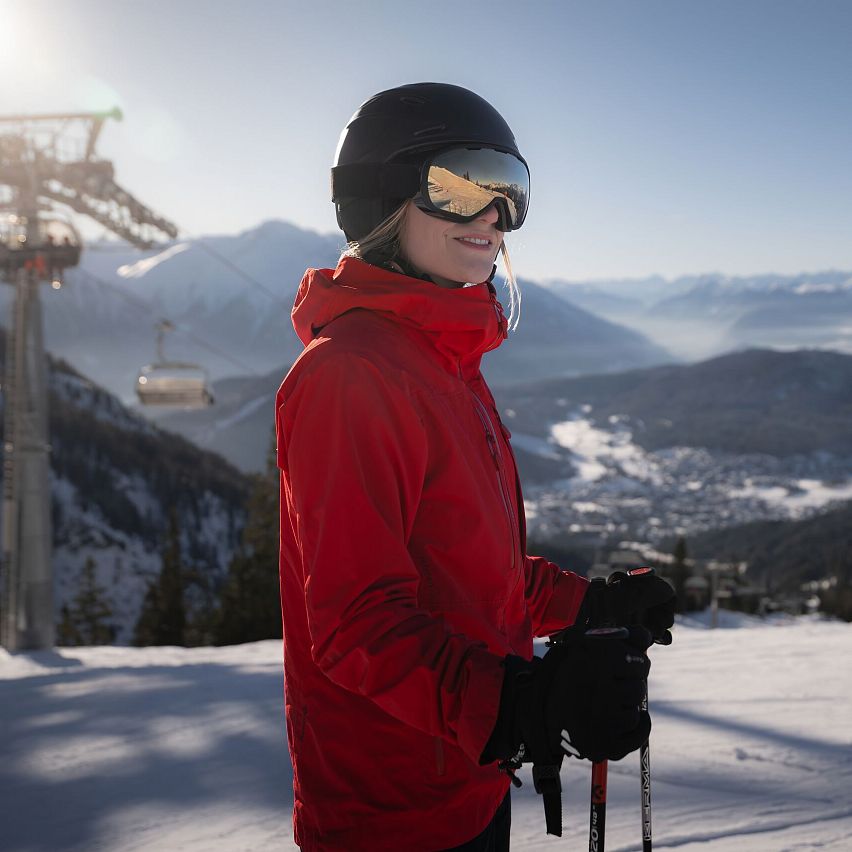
[162, 620]
[250, 608]
[86, 621]
[66, 630]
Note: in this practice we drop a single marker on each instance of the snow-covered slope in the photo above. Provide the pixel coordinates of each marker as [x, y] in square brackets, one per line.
[121, 749]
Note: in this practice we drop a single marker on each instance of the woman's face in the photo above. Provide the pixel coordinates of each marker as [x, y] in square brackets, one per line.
[451, 253]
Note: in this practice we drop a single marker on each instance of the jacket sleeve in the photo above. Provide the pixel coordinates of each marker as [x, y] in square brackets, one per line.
[553, 596]
[355, 453]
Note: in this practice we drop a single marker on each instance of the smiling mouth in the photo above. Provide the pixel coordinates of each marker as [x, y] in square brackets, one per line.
[479, 243]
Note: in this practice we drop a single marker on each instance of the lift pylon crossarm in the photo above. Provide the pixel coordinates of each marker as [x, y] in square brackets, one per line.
[99, 117]
[92, 122]
[94, 181]
[32, 163]
[131, 220]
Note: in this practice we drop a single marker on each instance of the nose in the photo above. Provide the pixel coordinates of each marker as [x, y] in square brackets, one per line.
[489, 215]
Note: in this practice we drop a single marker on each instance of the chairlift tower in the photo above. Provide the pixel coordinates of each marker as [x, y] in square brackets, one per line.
[47, 163]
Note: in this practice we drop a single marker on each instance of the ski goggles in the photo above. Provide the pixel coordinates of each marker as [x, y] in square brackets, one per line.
[460, 184]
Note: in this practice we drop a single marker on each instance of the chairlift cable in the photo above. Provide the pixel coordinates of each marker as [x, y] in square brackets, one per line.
[233, 266]
[204, 246]
[178, 327]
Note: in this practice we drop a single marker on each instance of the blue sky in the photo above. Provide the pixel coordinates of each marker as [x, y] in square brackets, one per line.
[663, 137]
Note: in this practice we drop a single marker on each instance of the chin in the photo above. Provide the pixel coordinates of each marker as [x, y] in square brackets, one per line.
[471, 274]
[479, 275]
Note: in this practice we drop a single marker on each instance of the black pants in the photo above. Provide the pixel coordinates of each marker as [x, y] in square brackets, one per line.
[495, 838]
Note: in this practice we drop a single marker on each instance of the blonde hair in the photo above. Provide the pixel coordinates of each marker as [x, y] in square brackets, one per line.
[385, 239]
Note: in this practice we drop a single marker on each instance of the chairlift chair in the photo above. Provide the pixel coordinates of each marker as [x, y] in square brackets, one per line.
[174, 384]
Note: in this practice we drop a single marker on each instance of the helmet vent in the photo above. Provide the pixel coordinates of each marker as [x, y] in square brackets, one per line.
[413, 100]
[430, 131]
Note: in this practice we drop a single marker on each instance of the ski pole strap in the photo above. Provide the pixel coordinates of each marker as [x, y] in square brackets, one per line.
[546, 781]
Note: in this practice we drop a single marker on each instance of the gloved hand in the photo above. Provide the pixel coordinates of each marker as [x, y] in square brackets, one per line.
[626, 599]
[582, 698]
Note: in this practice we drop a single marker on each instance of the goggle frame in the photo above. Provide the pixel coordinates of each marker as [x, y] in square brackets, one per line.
[506, 221]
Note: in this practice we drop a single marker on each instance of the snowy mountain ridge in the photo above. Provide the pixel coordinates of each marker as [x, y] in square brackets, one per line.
[230, 297]
[700, 316]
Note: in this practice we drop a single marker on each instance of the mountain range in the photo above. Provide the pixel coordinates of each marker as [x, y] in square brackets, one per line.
[753, 401]
[692, 450]
[229, 298]
[699, 316]
[614, 441]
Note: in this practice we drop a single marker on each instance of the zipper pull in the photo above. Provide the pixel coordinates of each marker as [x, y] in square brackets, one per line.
[492, 446]
[502, 324]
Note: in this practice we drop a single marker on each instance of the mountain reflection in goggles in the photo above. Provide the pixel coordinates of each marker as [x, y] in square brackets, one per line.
[462, 182]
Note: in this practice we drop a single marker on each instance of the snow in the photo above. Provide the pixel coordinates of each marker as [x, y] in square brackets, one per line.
[805, 494]
[102, 405]
[594, 451]
[618, 488]
[141, 267]
[534, 445]
[808, 289]
[184, 748]
[124, 565]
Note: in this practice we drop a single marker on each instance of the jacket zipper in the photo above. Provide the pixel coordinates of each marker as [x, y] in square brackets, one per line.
[497, 456]
[502, 324]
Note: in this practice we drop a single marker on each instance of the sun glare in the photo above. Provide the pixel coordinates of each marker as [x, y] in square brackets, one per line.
[8, 44]
[18, 39]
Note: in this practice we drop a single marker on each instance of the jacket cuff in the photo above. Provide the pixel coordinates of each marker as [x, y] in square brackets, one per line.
[564, 605]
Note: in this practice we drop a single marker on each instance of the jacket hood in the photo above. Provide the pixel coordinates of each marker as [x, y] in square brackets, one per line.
[462, 323]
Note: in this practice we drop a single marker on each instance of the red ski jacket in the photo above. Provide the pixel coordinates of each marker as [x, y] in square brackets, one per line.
[404, 576]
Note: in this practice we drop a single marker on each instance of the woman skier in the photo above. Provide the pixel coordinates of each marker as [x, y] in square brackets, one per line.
[409, 602]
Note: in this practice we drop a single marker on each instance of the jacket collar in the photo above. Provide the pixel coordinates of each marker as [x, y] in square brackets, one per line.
[461, 324]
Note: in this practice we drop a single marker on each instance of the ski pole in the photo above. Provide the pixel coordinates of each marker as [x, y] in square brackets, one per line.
[597, 816]
[597, 811]
[645, 758]
[597, 807]
[645, 781]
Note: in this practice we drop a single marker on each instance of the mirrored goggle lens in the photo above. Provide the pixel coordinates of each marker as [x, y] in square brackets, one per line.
[464, 181]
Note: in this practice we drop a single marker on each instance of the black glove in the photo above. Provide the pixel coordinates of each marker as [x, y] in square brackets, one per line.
[626, 599]
[582, 698]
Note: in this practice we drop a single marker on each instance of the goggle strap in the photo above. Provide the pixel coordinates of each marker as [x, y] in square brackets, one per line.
[374, 180]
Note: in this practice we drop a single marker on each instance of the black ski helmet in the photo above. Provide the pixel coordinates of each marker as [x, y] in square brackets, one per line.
[402, 126]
